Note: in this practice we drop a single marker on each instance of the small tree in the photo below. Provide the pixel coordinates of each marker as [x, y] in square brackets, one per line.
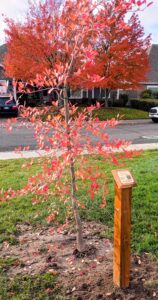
[71, 56]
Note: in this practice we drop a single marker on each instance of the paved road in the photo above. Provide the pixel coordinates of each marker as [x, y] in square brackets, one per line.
[139, 132]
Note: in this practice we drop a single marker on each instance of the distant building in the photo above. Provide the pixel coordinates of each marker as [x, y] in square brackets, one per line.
[3, 51]
[152, 82]
[152, 76]
[6, 86]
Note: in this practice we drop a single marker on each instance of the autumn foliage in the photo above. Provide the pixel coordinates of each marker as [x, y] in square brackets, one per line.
[79, 44]
[102, 43]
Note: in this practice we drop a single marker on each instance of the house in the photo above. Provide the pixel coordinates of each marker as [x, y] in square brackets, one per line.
[152, 76]
[152, 82]
[5, 82]
[3, 50]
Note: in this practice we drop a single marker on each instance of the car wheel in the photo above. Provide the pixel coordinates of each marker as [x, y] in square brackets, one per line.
[155, 120]
[15, 115]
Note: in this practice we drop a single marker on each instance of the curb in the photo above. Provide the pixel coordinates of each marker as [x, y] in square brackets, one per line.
[41, 153]
[135, 122]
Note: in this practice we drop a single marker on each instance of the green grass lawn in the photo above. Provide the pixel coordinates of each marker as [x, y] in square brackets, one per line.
[104, 114]
[144, 211]
[120, 113]
[27, 287]
[21, 210]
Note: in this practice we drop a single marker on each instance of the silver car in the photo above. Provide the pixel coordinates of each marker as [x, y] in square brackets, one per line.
[153, 114]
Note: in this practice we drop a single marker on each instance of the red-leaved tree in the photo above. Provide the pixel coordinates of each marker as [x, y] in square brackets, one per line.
[65, 47]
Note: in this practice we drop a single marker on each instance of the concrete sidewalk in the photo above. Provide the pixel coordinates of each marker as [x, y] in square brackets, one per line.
[40, 153]
[135, 122]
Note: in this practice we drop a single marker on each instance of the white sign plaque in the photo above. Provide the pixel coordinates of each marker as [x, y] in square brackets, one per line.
[125, 177]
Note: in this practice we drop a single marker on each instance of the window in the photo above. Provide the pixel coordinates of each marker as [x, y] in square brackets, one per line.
[152, 88]
[3, 86]
[84, 93]
[7, 101]
[79, 94]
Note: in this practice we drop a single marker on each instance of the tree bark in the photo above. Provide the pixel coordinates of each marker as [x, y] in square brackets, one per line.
[106, 102]
[79, 232]
[107, 92]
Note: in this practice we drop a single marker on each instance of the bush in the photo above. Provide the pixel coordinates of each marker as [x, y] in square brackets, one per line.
[142, 104]
[146, 94]
[149, 94]
[123, 99]
[155, 95]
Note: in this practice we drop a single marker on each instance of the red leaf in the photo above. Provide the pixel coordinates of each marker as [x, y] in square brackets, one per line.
[51, 217]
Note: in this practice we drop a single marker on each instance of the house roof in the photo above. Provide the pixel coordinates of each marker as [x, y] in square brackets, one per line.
[153, 64]
[3, 51]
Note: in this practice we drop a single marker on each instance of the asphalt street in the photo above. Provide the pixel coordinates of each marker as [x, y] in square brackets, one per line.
[138, 132]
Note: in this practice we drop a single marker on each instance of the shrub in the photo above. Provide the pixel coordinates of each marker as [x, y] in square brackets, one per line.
[149, 94]
[146, 94]
[142, 104]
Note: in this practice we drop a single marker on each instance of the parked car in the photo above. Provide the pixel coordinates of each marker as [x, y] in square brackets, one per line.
[8, 106]
[153, 114]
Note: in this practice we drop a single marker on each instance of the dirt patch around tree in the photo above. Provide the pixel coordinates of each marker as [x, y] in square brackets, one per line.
[88, 277]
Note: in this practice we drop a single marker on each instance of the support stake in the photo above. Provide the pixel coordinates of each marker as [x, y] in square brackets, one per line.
[124, 182]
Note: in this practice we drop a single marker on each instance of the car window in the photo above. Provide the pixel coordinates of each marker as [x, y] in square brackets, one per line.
[7, 101]
[153, 110]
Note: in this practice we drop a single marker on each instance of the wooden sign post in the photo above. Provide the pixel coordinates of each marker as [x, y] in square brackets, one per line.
[124, 182]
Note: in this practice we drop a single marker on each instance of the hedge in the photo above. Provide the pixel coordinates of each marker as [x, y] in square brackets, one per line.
[142, 104]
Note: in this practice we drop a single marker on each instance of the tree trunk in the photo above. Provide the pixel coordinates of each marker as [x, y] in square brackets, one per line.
[79, 233]
[107, 92]
[106, 103]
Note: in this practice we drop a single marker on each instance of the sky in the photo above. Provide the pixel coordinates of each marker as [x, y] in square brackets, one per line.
[16, 9]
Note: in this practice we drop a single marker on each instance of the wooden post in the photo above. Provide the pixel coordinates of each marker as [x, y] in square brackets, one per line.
[124, 182]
